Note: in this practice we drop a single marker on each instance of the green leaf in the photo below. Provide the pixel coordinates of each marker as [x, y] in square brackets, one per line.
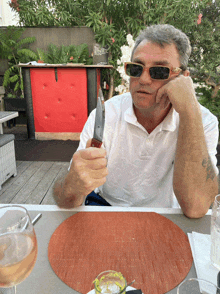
[25, 41]
[41, 55]
[6, 77]
[17, 86]
[26, 55]
[14, 79]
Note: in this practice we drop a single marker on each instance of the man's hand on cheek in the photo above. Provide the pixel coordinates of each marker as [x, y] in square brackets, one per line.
[164, 101]
[180, 92]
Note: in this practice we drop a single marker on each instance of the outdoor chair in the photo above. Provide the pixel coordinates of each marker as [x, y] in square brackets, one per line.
[7, 158]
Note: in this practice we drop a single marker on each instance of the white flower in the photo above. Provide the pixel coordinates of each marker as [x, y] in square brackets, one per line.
[130, 40]
[122, 89]
[126, 56]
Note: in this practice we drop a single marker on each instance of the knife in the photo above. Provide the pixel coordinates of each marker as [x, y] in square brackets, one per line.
[99, 121]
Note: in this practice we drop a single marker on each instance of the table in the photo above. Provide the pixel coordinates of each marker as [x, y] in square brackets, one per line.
[5, 116]
[43, 280]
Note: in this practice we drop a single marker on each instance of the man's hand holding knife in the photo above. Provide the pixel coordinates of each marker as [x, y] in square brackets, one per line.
[88, 169]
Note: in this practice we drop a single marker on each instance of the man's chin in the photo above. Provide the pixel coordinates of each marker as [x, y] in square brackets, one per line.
[144, 102]
[143, 106]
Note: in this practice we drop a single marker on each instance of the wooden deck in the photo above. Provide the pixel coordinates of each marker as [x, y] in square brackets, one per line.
[33, 183]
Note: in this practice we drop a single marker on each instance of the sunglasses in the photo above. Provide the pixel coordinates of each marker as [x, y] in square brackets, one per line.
[157, 72]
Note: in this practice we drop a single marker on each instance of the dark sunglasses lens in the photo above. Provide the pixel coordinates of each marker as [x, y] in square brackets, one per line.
[134, 70]
[159, 73]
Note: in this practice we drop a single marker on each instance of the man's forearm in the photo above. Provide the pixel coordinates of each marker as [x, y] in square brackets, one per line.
[64, 196]
[195, 182]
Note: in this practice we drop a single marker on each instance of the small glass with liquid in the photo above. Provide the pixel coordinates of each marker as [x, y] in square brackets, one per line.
[110, 282]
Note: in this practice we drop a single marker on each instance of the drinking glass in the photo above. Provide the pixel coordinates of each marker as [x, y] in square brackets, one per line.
[110, 282]
[215, 233]
[18, 247]
[195, 286]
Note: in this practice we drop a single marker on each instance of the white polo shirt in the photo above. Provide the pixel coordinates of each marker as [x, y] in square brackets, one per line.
[140, 164]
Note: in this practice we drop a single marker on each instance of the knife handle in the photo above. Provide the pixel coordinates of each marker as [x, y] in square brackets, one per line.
[96, 143]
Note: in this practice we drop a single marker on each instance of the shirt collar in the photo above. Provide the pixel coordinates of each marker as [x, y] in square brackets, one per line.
[170, 121]
[129, 114]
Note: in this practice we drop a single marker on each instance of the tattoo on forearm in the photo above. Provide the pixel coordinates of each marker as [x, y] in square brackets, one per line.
[209, 168]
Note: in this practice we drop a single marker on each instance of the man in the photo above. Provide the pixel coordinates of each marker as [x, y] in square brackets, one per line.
[159, 143]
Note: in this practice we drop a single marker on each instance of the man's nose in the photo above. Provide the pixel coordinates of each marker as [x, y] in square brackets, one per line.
[145, 77]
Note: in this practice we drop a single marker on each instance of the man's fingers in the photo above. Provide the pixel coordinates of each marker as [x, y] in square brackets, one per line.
[99, 174]
[97, 163]
[163, 99]
[88, 170]
[164, 90]
[92, 153]
[88, 144]
[165, 102]
[91, 184]
[160, 94]
[91, 179]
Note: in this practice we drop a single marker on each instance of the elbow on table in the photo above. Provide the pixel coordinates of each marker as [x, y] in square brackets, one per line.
[195, 204]
[194, 213]
[195, 209]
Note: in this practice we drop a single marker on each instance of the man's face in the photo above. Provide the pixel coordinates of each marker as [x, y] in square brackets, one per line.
[144, 89]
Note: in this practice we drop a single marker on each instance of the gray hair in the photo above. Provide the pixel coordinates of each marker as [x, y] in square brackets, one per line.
[166, 34]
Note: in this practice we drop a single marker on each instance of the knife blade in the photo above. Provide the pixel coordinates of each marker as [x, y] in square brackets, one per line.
[99, 121]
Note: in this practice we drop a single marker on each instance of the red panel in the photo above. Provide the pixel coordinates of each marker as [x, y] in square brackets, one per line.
[59, 106]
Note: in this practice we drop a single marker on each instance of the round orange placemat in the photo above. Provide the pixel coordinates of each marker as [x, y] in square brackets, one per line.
[144, 246]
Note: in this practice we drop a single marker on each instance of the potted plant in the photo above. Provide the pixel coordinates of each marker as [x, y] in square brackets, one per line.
[14, 49]
[65, 54]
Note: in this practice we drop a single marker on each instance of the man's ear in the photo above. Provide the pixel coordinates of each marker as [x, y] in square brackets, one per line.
[186, 73]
